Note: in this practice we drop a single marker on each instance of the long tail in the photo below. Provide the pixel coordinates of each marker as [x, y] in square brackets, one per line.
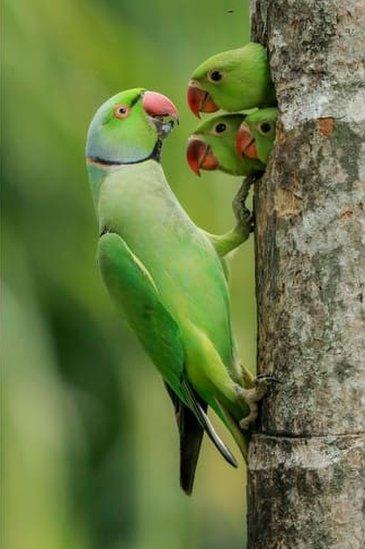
[191, 436]
[230, 422]
[202, 351]
[192, 423]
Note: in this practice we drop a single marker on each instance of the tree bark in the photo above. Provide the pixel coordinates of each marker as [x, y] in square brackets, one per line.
[306, 459]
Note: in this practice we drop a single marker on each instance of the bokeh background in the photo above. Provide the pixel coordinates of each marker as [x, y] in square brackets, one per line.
[89, 442]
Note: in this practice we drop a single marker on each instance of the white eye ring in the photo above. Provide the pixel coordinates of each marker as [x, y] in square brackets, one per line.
[215, 76]
[121, 111]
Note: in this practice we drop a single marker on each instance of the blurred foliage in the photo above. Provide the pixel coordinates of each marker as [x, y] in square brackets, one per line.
[89, 441]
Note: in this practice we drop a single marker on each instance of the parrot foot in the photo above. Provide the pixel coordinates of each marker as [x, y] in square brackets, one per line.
[252, 396]
[244, 218]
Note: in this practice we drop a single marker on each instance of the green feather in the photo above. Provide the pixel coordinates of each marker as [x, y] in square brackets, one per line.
[262, 124]
[223, 144]
[166, 276]
[245, 78]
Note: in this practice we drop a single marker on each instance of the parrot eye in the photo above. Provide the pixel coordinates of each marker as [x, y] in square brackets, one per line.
[220, 128]
[121, 111]
[215, 76]
[265, 127]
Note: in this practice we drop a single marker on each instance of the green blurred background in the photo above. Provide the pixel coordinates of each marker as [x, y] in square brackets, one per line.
[90, 446]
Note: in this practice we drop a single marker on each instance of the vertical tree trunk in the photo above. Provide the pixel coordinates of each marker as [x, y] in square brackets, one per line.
[306, 460]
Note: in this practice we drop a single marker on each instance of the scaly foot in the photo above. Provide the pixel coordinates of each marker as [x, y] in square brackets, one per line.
[252, 396]
[242, 214]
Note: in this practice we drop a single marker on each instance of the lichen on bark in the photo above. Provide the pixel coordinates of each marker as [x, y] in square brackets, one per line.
[306, 464]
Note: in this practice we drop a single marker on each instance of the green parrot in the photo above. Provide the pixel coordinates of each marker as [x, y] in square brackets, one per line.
[166, 275]
[256, 135]
[212, 146]
[225, 143]
[233, 80]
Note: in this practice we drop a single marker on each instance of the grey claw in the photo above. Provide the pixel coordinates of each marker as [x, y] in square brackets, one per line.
[268, 377]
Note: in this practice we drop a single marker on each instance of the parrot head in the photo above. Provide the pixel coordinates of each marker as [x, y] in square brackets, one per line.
[213, 147]
[256, 135]
[129, 127]
[233, 80]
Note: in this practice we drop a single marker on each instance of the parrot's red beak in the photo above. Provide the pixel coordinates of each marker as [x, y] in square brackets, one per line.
[200, 156]
[245, 142]
[199, 100]
[158, 105]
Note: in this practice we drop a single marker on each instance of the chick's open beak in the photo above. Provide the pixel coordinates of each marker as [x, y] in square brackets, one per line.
[200, 156]
[245, 142]
[199, 100]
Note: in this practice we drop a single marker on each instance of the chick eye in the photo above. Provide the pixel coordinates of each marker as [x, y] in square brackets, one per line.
[220, 128]
[265, 127]
[121, 111]
[215, 76]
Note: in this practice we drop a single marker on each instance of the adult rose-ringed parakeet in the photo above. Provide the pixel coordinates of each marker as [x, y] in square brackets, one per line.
[167, 275]
[212, 146]
[256, 135]
[233, 80]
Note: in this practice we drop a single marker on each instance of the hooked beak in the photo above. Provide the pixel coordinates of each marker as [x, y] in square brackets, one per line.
[199, 100]
[200, 156]
[245, 142]
[161, 110]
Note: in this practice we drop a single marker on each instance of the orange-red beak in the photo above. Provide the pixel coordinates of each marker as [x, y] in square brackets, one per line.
[199, 156]
[156, 104]
[199, 100]
[245, 142]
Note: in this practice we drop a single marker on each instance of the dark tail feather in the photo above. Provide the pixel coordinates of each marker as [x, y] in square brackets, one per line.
[191, 435]
[192, 422]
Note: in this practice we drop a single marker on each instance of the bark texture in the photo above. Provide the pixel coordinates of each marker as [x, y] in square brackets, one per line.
[306, 461]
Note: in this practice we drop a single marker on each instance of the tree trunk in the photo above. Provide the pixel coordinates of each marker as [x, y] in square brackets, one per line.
[306, 459]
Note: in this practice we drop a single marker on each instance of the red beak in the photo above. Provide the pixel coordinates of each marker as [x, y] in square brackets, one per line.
[245, 142]
[199, 156]
[156, 104]
[199, 100]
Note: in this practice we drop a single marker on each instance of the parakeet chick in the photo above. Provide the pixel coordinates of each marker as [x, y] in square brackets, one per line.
[233, 80]
[165, 274]
[256, 135]
[212, 146]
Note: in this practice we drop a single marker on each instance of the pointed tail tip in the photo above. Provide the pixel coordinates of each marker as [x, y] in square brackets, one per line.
[227, 454]
[187, 483]
[231, 460]
[186, 488]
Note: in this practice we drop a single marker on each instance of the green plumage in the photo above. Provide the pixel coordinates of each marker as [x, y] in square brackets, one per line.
[262, 124]
[178, 259]
[163, 272]
[223, 144]
[244, 78]
[218, 134]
